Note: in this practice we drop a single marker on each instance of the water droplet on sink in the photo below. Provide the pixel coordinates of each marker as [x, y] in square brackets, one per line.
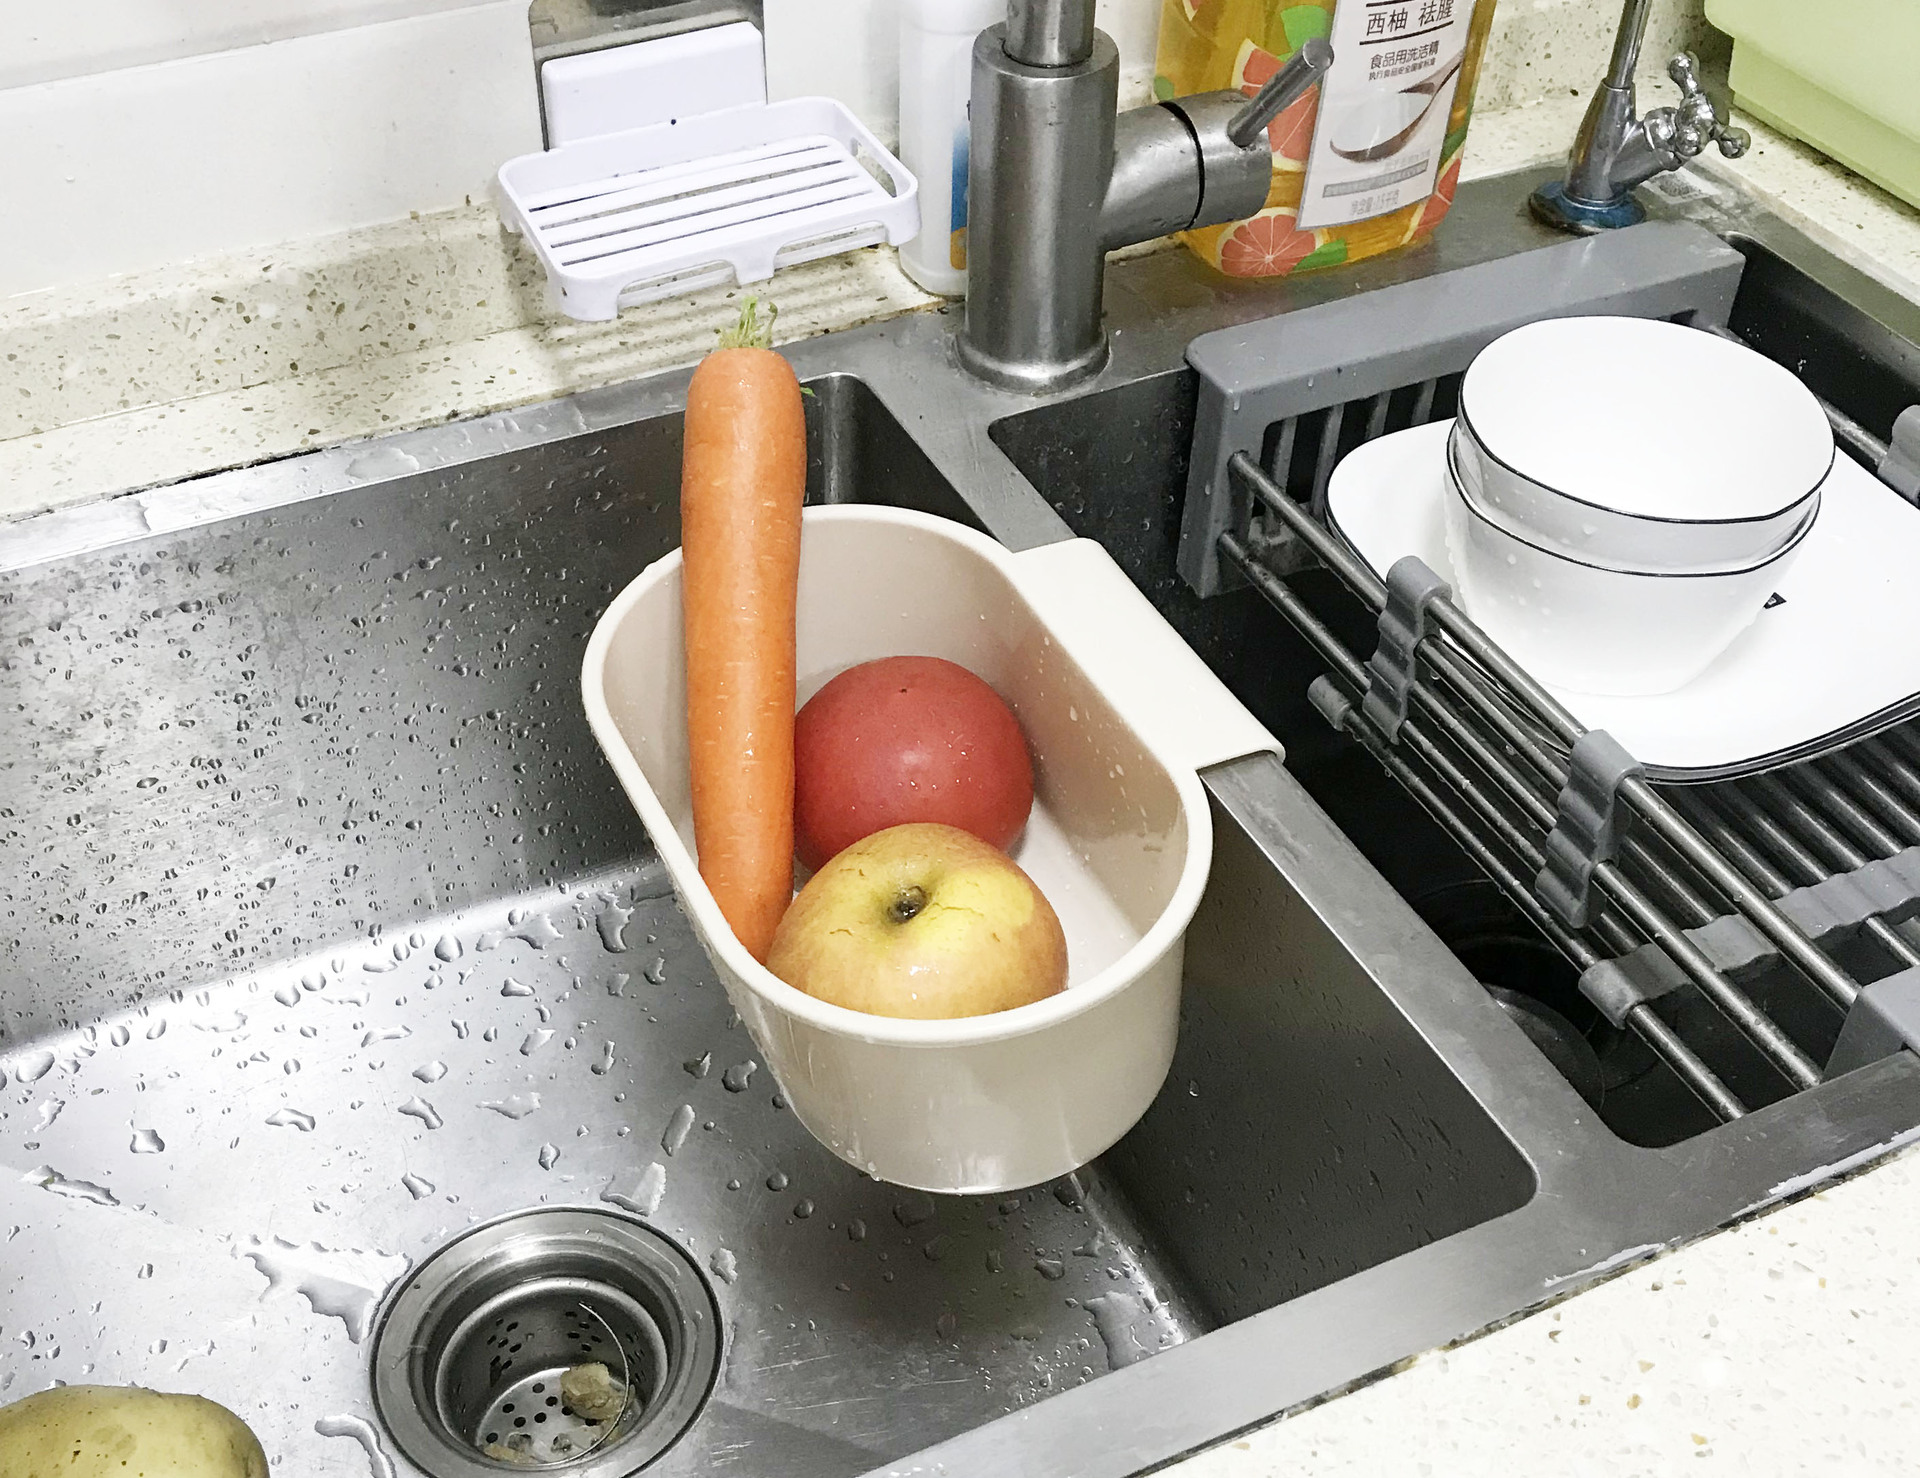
[675, 1134]
[736, 1078]
[119, 1036]
[1119, 1318]
[699, 1066]
[514, 1106]
[380, 462]
[418, 1186]
[604, 1064]
[157, 1030]
[612, 923]
[287, 995]
[536, 930]
[33, 1066]
[419, 1108]
[643, 1199]
[656, 973]
[361, 1431]
[49, 1111]
[912, 1212]
[515, 988]
[49, 1179]
[146, 1142]
[337, 1283]
[447, 949]
[777, 1181]
[1050, 1268]
[535, 1040]
[724, 1265]
[430, 1072]
[386, 1034]
[549, 1156]
[291, 1118]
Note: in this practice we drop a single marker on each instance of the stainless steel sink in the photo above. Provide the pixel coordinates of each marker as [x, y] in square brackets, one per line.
[327, 936]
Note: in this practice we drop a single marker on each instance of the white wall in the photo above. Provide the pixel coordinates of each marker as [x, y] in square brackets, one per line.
[115, 170]
[849, 49]
[45, 40]
[135, 133]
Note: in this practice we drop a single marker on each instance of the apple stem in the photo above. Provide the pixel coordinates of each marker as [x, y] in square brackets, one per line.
[910, 902]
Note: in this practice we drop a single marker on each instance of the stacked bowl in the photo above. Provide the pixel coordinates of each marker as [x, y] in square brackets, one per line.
[1625, 495]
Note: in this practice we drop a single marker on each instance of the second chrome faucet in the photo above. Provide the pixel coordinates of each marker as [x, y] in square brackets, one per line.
[1056, 181]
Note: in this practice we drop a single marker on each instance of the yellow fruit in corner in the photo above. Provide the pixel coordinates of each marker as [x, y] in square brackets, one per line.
[119, 1431]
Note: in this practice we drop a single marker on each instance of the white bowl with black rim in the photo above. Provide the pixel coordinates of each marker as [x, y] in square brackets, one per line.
[1591, 628]
[1638, 444]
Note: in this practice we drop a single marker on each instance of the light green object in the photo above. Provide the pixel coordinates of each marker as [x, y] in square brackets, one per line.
[1843, 75]
[124, 1432]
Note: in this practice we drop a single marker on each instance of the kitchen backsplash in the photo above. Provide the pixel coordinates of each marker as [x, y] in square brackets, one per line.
[133, 135]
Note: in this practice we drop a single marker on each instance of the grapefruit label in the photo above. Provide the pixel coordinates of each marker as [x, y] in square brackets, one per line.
[1379, 136]
[1291, 133]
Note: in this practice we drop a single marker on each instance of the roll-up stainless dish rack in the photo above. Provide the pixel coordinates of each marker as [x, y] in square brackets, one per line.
[1754, 933]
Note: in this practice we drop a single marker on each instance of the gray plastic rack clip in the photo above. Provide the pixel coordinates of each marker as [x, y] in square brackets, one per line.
[1587, 826]
[1411, 588]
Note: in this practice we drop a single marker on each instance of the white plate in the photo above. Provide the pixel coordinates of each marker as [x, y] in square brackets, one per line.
[1833, 659]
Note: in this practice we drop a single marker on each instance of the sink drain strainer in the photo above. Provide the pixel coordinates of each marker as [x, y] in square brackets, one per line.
[484, 1358]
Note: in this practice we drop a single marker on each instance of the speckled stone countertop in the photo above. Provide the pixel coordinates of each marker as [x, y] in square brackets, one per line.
[1789, 1344]
[164, 375]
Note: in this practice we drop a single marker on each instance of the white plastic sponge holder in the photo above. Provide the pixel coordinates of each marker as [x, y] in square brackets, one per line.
[727, 196]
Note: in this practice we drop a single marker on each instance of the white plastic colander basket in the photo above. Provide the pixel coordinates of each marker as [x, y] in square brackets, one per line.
[1120, 715]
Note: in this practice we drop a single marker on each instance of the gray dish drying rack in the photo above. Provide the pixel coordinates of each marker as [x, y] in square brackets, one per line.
[1748, 931]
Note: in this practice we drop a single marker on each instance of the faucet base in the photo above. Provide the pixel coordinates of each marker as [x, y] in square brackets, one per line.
[1025, 377]
[1552, 206]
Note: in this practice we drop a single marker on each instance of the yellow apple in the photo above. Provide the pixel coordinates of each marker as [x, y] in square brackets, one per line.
[923, 921]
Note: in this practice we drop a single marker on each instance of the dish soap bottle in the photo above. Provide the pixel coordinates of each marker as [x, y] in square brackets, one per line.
[936, 80]
[1366, 162]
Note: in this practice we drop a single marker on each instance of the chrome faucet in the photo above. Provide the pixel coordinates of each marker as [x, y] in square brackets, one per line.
[1614, 150]
[1056, 181]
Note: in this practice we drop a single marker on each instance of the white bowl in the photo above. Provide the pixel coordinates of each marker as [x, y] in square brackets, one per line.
[1541, 515]
[1580, 626]
[1641, 444]
[1120, 716]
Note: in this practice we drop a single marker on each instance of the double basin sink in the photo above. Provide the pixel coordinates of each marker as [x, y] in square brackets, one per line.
[327, 937]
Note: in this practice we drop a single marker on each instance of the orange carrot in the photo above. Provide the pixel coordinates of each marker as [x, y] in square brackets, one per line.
[743, 478]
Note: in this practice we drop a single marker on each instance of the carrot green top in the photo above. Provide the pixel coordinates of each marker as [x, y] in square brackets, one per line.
[751, 331]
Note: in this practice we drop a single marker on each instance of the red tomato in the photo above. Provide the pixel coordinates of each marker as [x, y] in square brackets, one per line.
[906, 739]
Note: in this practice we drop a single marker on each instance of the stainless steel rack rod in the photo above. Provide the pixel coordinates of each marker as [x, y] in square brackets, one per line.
[1719, 820]
[1773, 1043]
[1641, 1019]
[1641, 798]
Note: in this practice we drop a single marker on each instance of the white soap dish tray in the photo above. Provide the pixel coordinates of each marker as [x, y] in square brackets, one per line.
[727, 196]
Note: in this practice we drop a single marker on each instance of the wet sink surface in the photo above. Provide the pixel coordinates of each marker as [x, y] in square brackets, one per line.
[328, 936]
[308, 795]
[238, 1172]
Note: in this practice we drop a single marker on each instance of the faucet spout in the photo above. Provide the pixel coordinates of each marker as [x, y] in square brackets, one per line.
[1055, 182]
[1050, 33]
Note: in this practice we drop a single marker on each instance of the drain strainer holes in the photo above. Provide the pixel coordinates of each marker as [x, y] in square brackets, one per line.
[572, 1339]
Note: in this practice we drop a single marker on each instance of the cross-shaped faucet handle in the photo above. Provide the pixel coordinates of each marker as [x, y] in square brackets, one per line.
[1694, 123]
